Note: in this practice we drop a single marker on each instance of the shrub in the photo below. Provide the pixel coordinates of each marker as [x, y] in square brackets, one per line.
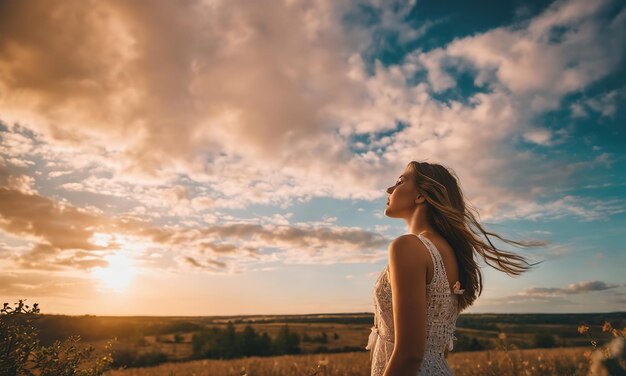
[22, 354]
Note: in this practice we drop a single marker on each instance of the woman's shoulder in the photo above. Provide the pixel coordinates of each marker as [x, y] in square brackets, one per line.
[408, 247]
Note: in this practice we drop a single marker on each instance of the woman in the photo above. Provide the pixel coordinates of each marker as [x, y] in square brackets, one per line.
[431, 275]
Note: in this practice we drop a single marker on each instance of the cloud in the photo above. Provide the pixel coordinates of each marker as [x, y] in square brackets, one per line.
[173, 86]
[249, 114]
[65, 236]
[574, 288]
[558, 52]
[41, 284]
[604, 104]
[548, 299]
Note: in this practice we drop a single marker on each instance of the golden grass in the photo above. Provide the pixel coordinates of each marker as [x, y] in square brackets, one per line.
[560, 361]
[506, 360]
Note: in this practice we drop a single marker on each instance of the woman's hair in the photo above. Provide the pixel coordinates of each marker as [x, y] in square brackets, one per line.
[452, 217]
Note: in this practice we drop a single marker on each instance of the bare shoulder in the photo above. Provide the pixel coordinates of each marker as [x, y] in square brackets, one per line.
[407, 249]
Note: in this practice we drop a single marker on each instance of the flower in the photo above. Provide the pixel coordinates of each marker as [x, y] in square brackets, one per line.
[606, 327]
[583, 328]
[502, 336]
[615, 332]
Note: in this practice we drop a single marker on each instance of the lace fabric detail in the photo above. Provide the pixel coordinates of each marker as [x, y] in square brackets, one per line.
[442, 313]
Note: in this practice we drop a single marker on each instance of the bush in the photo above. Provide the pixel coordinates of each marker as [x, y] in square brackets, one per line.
[22, 354]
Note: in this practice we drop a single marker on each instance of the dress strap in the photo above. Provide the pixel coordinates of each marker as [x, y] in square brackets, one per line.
[437, 261]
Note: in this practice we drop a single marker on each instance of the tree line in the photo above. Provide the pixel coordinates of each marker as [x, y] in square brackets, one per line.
[228, 343]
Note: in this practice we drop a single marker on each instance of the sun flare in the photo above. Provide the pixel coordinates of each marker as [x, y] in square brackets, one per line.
[118, 275]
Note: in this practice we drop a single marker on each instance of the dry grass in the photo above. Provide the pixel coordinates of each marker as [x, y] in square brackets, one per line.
[561, 361]
[506, 360]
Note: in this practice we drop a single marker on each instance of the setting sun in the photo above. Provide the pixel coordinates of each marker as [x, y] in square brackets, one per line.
[118, 274]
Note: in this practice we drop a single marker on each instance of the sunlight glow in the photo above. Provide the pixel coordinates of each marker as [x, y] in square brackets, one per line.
[118, 274]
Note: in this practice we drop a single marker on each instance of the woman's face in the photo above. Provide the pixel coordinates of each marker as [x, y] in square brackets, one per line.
[402, 196]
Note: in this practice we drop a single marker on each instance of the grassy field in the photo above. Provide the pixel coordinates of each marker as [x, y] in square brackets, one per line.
[329, 344]
[560, 361]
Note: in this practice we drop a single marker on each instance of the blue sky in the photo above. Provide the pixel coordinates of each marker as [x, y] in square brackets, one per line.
[234, 160]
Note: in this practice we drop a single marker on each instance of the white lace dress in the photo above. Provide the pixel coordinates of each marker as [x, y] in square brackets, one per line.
[442, 313]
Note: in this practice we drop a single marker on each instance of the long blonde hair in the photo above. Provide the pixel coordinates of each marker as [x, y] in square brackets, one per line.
[453, 218]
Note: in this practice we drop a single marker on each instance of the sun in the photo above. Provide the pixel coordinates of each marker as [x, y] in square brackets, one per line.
[118, 275]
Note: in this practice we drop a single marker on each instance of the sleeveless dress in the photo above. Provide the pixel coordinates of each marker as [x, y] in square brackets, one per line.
[442, 312]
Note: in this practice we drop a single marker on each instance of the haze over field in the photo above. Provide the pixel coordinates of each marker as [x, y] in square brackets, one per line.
[231, 157]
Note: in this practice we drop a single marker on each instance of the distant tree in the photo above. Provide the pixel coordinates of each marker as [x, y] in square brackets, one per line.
[287, 342]
[250, 341]
[229, 346]
[265, 345]
[178, 338]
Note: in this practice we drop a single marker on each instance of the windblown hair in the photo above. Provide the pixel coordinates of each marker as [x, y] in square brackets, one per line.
[453, 218]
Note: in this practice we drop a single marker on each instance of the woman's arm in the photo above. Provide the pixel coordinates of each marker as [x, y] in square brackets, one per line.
[408, 260]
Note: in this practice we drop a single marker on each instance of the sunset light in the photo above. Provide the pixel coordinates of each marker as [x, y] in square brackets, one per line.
[118, 275]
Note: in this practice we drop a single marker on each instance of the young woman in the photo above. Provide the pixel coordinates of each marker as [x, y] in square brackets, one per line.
[432, 274]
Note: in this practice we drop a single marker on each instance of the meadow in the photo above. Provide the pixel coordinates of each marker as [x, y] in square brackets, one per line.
[488, 344]
[333, 344]
[560, 361]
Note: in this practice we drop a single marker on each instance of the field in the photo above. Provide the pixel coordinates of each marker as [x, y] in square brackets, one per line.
[560, 361]
[333, 344]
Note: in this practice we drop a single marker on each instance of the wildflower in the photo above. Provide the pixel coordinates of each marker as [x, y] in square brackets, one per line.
[583, 328]
[606, 327]
[615, 332]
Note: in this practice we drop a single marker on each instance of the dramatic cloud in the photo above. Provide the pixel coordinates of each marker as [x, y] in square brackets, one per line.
[258, 115]
[193, 134]
[66, 236]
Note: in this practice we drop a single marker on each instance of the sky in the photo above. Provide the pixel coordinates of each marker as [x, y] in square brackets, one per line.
[212, 157]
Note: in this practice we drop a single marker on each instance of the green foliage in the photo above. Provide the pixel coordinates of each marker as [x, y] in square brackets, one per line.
[287, 342]
[22, 354]
[18, 338]
[228, 343]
